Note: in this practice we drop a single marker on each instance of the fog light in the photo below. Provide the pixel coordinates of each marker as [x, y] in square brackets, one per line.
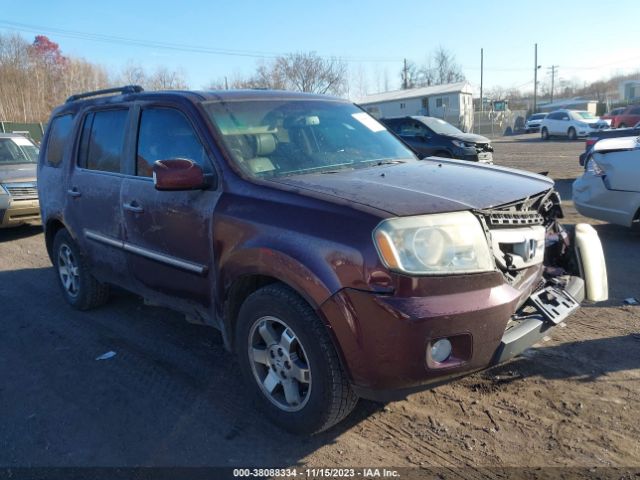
[441, 350]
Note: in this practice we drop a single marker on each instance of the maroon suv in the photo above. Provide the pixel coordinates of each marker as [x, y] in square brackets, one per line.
[335, 263]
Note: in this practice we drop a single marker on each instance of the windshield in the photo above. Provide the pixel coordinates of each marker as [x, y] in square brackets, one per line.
[586, 115]
[273, 138]
[537, 116]
[440, 126]
[17, 150]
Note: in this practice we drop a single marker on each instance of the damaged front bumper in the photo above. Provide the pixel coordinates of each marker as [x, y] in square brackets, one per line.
[385, 340]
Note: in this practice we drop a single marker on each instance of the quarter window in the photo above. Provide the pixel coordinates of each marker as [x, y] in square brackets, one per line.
[58, 136]
[166, 133]
[102, 140]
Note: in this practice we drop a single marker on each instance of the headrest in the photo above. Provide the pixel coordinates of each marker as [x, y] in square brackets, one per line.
[265, 144]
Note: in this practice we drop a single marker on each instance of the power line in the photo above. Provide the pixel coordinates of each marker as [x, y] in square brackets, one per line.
[113, 39]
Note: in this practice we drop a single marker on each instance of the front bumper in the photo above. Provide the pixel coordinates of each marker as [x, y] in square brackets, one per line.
[592, 199]
[384, 339]
[472, 155]
[14, 212]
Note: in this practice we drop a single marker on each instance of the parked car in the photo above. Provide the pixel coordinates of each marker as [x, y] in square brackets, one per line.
[609, 117]
[625, 116]
[429, 136]
[609, 189]
[336, 264]
[533, 122]
[570, 123]
[18, 190]
[595, 137]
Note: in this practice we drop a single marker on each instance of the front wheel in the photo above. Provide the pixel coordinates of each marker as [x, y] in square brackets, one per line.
[571, 133]
[544, 134]
[78, 285]
[290, 363]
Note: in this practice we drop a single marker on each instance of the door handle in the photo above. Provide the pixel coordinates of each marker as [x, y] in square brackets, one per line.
[133, 207]
[74, 192]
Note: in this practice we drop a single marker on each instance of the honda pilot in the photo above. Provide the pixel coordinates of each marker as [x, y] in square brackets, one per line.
[334, 262]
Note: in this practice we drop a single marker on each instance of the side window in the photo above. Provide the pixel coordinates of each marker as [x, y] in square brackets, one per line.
[411, 128]
[58, 135]
[635, 111]
[102, 140]
[166, 133]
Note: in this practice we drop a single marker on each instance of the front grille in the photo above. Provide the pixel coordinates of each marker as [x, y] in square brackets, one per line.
[501, 219]
[22, 190]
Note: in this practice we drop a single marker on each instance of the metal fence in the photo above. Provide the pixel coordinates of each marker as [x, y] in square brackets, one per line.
[33, 130]
[490, 123]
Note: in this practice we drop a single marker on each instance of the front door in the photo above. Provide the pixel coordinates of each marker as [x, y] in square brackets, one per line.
[93, 193]
[417, 135]
[168, 234]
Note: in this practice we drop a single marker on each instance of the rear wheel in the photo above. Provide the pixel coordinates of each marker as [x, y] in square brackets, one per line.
[290, 363]
[79, 287]
[571, 133]
[544, 133]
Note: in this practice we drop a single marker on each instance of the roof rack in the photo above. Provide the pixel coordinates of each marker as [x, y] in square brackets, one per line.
[123, 90]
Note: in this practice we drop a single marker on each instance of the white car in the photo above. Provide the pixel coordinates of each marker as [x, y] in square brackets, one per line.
[570, 123]
[609, 189]
[533, 122]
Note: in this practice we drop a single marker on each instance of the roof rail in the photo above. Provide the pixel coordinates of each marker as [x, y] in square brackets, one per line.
[125, 89]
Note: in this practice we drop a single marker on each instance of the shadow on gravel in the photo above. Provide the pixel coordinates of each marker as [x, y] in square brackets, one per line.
[171, 395]
[16, 233]
[583, 361]
[535, 138]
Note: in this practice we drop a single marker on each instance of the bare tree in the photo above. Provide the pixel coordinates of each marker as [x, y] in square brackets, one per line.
[446, 68]
[165, 79]
[440, 68]
[308, 72]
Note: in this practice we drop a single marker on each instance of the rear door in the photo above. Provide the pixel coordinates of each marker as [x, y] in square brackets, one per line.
[168, 234]
[92, 210]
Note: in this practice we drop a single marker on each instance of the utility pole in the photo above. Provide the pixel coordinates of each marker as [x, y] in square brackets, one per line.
[481, 75]
[554, 71]
[226, 84]
[535, 78]
[404, 76]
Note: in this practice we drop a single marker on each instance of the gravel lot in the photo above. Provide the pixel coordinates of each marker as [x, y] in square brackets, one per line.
[172, 396]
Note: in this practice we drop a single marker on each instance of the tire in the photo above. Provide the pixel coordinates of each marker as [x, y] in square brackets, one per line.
[571, 133]
[283, 346]
[79, 287]
[544, 134]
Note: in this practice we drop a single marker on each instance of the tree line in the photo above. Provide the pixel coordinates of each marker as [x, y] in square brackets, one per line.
[35, 77]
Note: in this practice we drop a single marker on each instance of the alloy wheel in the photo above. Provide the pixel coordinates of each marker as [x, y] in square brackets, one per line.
[68, 270]
[279, 364]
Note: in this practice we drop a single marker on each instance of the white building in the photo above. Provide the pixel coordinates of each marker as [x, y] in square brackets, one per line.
[452, 102]
[629, 90]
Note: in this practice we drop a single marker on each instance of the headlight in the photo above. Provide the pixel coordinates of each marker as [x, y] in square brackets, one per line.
[436, 244]
[461, 144]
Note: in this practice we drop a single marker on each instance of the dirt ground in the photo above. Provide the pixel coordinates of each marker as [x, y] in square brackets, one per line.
[172, 396]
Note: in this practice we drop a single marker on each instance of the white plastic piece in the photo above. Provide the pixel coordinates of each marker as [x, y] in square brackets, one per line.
[592, 263]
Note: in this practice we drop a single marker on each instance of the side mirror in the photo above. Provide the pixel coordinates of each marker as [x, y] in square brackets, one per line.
[178, 174]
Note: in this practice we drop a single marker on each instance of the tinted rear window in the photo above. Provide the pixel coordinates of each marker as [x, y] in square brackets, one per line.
[58, 135]
[103, 140]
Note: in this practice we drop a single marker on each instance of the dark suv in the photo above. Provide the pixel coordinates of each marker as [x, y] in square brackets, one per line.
[430, 136]
[334, 262]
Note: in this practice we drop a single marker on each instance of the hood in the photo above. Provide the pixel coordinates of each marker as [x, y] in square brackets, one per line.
[18, 172]
[469, 137]
[425, 186]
